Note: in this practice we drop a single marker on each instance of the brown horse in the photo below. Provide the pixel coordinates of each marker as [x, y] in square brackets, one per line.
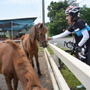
[30, 42]
[15, 65]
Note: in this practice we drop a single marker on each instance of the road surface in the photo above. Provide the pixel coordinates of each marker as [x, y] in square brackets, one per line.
[60, 42]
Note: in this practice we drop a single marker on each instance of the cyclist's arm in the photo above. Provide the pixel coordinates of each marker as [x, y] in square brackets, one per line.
[65, 33]
[85, 38]
[81, 25]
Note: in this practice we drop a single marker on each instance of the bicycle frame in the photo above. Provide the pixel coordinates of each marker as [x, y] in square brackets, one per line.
[79, 55]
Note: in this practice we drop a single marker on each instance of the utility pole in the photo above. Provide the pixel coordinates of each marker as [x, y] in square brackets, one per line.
[43, 12]
[12, 29]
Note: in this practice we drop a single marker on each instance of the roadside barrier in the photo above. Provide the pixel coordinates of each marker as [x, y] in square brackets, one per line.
[77, 67]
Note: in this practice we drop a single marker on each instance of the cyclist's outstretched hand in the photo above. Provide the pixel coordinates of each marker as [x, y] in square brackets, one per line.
[49, 38]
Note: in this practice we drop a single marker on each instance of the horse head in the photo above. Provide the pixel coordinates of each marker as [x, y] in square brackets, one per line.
[39, 32]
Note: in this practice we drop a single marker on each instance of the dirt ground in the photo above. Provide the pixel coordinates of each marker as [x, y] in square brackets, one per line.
[44, 79]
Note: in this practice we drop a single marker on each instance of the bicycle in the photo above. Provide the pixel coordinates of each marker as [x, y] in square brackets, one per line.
[80, 55]
[72, 46]
[68, 44]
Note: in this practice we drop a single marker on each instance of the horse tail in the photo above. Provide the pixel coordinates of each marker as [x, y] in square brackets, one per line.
[12, 43]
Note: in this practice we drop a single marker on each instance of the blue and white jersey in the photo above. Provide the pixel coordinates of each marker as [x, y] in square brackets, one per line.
[78, 27]
[78, 32]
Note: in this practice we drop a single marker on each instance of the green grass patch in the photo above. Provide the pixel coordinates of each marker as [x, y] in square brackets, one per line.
[71, 80]
[40, 49]
[50, 51]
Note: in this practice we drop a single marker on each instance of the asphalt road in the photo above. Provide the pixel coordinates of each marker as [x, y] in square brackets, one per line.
[60, 41]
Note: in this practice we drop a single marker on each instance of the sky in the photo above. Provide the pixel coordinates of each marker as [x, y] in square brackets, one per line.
[11, 9]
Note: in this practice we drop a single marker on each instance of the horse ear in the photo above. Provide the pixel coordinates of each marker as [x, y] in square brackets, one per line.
[40, 25]
[32, 34]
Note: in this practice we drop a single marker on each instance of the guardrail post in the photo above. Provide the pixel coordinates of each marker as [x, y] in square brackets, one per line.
[51, 73]
[56, 59]
[57, 74]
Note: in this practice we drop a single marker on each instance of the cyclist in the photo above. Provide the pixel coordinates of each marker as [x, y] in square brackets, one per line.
[79, 28]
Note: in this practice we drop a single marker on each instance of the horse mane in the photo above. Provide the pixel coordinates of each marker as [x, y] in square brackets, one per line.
[32, 33]
[41, 25]
[33, 28]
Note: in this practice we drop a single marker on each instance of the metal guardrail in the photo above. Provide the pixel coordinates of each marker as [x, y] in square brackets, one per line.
[54, 82]
[13, 40]
[77, 67]
[56, 76]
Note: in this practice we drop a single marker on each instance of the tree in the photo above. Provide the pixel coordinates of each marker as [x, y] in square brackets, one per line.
[57, 17]
[85, 14]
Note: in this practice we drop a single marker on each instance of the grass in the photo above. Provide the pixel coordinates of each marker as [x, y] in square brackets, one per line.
[71, 80]
[40, 49]
[50, 51]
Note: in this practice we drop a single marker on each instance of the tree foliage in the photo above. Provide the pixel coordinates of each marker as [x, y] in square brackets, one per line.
[85, 14]
[57, 17]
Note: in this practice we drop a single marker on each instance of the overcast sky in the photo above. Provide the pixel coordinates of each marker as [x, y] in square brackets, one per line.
[11, 9]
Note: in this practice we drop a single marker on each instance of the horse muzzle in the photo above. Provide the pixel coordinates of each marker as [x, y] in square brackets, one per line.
[44, 44]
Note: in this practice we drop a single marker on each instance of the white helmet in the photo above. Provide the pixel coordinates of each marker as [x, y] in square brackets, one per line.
[72, 9]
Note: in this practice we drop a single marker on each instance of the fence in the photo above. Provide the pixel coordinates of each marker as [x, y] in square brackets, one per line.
[78, 68]
[18, 41]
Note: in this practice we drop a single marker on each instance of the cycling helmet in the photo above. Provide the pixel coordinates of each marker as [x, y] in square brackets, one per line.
[72, 10]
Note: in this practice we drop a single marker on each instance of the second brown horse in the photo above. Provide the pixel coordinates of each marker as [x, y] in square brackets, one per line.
[30, 43]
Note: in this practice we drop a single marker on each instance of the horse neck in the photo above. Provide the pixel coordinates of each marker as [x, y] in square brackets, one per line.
[34, 43]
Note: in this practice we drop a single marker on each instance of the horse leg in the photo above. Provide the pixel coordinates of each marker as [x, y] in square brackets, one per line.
[15, 83]
[38, 66]
[27, 86]
[27, 54]
[8, 81]
[31, 60]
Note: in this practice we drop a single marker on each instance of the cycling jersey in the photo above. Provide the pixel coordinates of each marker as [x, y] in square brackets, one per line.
[78, 27]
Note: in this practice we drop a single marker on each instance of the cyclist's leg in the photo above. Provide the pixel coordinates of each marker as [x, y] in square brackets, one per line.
[86, 51]
[88, 56]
